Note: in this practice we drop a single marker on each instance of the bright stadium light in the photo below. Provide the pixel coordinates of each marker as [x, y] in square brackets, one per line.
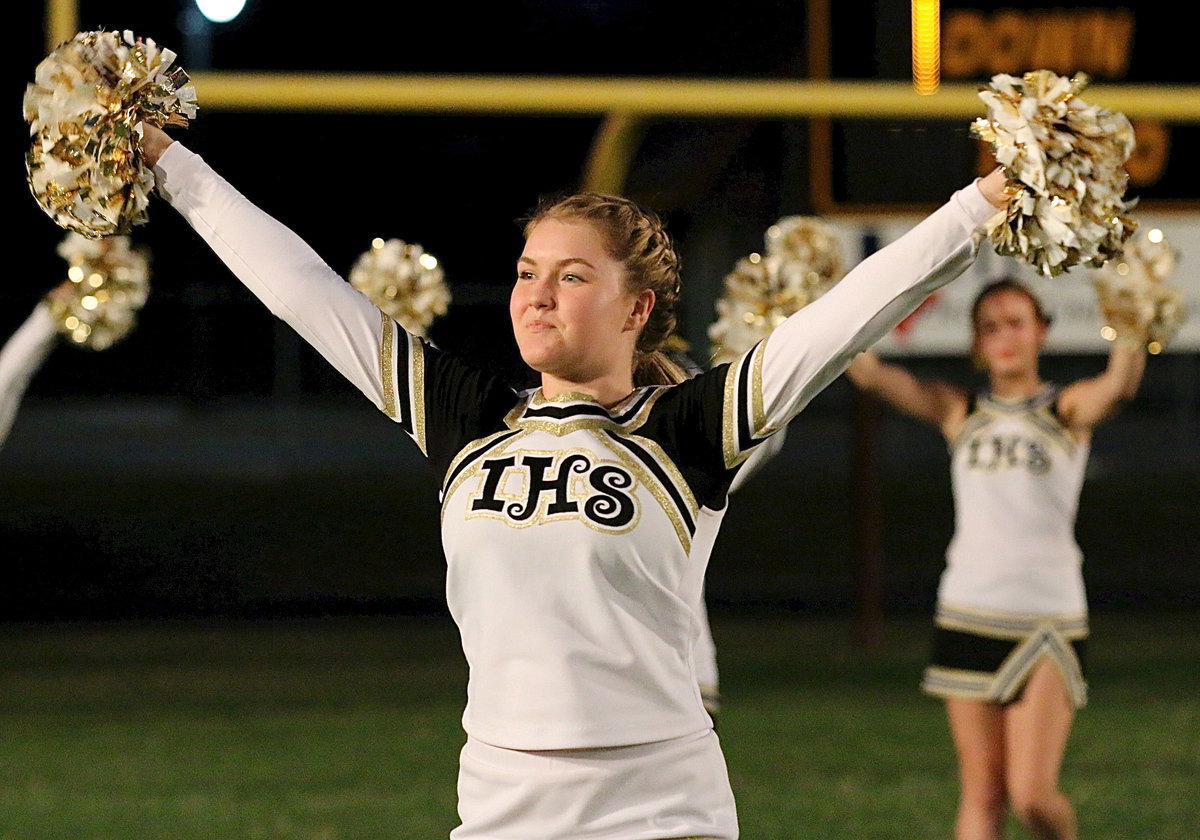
[926, 45]
[221, 11]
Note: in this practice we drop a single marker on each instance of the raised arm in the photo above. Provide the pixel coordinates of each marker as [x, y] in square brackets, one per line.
[1084, 404]
[939, 403]
[20, 359]
[773, 382]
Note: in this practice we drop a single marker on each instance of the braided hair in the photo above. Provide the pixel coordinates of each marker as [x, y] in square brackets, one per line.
[635, 237]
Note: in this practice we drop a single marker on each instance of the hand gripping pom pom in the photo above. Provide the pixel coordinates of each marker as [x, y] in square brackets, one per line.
[404, 281]
[1065, 161]
[802, 262]
[108, 286]
[1139, 306]
[83, 109]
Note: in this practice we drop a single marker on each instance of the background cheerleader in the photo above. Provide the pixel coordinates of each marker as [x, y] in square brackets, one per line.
[1012, 613]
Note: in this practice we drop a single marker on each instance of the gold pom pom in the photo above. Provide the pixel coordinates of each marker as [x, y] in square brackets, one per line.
[803, 260]
[1140, 307]
[108, 285]
[83, 108]
[404, 281]
[1065, 160]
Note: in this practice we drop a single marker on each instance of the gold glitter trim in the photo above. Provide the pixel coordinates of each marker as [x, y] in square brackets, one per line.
[1045, 420]
[515, 419]
[559, 428]
[386, 351]
[1008, 626]
[729, 416]
[669, 467]
[539, 398]
[1044, 642]
[1042, 421]
[635, 422]
[758, 424]
[953, 682]
[967, 685]
[417, 389]
[464, 452]
[654, 486]
[755, 410]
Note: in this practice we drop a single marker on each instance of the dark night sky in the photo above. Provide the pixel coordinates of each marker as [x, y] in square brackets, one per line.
[453, 184]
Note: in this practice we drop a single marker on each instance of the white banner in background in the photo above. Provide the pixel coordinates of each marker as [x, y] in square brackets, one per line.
[941, 326]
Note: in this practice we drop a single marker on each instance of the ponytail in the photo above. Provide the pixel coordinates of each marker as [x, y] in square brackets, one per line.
[657, 368]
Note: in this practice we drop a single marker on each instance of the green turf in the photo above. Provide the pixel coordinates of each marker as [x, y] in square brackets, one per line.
[340, 728]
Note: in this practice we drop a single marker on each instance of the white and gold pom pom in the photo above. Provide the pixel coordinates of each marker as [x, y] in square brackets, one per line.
[1140, 307]
[808, 240]
[83, 109]
[1065, 161]
[108, 285]
[803, 260]
[404, 281]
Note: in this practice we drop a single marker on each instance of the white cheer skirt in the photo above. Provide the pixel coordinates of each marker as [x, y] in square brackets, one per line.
[668, 789]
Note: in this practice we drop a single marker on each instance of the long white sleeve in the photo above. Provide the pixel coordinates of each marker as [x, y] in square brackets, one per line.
[279, 268]
[20, 359]
[774, 381]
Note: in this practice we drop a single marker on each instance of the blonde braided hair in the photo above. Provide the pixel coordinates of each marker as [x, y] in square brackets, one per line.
[635, 237]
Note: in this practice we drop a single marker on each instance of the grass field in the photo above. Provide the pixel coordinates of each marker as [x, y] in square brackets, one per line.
[346, 728]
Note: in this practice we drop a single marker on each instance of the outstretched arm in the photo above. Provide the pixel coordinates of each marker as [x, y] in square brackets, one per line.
[774, 382]
[1086, 403]
[938, 403]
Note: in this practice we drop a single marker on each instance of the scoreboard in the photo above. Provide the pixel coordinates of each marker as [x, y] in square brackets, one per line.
[868, 165]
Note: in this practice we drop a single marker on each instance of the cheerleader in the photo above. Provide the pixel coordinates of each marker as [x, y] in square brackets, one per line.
[569, 512]
[1011, 612]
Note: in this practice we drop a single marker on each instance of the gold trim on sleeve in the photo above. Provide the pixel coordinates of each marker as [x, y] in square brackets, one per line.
[386, 360]
[755, 410]
[758, 414]
[417, 389]
[729, 417]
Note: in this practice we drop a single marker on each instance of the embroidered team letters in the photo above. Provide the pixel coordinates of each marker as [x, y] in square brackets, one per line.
[996, 452]
[556, 485]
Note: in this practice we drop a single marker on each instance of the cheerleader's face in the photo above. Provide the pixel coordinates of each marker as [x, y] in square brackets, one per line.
[572, 315]
[1008, 333]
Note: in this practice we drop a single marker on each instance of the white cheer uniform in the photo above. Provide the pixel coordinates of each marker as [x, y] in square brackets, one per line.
[1012, 591]
[20, 359]
[567, 527]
